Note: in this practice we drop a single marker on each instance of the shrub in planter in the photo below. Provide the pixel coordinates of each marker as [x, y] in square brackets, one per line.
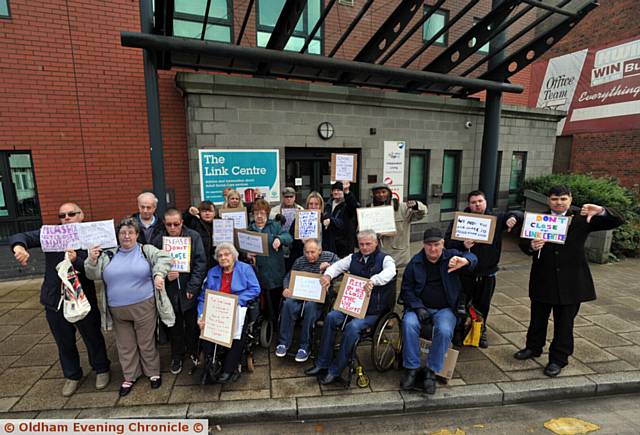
[602, 191]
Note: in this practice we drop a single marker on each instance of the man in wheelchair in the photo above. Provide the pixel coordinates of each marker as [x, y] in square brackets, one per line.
[431, 290]
[380, 269]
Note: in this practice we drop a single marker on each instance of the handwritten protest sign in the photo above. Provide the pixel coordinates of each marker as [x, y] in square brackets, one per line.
[477, 227]
[220, 313]
[379, 219]
[545, 227]
[352, 299]
[307, 224]
[344, 167]
[179, 248]
[238, 215]
[306, 286]
[97, 233]
[59, 238]
[289, 215]
[81, 235]
[252, 242]
[223, 231]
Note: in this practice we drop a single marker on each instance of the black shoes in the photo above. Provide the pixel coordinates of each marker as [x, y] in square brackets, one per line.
[315, 371]
[429, 383]
[484, 343]
[156, 382]
[525, 353]
[408, 381]
[227, 378]
[176, 366]
[328, 379]
[552, 370]
[126, 387]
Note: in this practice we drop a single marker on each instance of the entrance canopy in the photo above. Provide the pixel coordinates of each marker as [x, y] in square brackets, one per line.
[519, 31]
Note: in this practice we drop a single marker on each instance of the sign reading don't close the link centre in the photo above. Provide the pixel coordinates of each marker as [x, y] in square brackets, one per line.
[253, 173]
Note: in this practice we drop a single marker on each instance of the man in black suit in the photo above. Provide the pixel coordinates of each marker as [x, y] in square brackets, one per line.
[560, 279]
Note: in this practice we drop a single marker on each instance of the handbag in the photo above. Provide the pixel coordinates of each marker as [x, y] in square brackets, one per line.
[477, 322]
[164, 308]
[75, 305]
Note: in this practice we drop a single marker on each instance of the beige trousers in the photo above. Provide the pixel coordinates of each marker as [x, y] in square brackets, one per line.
[135, 327]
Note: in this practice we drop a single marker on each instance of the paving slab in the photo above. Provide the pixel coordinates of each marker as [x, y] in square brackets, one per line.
[245, 395]
[630, 354]
[45, 394]
[350, 405]
[17, 381]
[480, 372]
[97, 399]
[613, 323]
[7, 402]
[194, 393]
[522, 313]
[588, 352]
[249, 410]
[611, 366]
[632, 336]
[454, 397]
[295, 387]
[546, 389]
[502, 356]
[258, 380]
[58, 414]
[600, 336]
[503, 323]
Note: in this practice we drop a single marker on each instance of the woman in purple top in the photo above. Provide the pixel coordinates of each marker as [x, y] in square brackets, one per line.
[131, 274]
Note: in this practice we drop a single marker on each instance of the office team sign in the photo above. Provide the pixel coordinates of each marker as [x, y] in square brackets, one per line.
[253, 173]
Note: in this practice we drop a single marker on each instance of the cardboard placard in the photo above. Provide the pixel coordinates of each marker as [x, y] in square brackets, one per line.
[238, 215]
[179, 249]
[220, 313]
[306, 286]
[78, 235]
[307, 224]
[472, 226]
[450, 359]
[289, 215]
[223, 231]
[344, 167]
[252, 242]
[352, 299]
[547, 227]
[379, 219]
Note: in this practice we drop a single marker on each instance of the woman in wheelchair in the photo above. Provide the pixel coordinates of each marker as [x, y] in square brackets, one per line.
[380, 269]
[431, 292]
[233, 277]
[314, 260]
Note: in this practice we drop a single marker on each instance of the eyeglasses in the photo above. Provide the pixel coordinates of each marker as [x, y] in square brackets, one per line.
[171, 225]
[69, 213]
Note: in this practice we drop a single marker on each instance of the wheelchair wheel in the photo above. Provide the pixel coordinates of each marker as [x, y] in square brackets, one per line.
[387, 342]
[266, 333]
[363, 380]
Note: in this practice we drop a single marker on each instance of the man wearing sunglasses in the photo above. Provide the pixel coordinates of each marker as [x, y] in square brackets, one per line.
[183, 289]
[64, 331]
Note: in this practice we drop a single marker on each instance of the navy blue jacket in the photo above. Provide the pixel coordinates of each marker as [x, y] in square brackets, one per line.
[415, 278]
[50, 291]
[379, 302]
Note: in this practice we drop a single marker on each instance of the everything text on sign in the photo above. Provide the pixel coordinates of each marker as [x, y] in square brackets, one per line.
[545, 227]
[477, 227]
[179, 248]
[352, 298]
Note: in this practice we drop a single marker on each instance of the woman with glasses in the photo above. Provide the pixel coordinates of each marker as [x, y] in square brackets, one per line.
[131, 274]
[270, 268]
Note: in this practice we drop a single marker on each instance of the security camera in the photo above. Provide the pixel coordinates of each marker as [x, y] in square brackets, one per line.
[468, 124]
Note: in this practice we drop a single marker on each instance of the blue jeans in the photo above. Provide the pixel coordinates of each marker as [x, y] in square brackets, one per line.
[444, 323]
[291, 309]
[350, 334]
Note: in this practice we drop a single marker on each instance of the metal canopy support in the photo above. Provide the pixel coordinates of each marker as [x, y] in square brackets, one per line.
[386, 34]
[245, 20]
[315, 29]
[285, 26]
[557, 10]
[153, 109]
[352, 26]
[258, 55]
[536, 48]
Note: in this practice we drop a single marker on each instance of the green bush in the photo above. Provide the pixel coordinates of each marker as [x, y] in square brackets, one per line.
[602, 191]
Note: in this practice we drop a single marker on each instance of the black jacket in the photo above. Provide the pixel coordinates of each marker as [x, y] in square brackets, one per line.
[187, 282]
[488, 254]
[50, 291]
[341, 232]
[155, 229]
[414, 279]
[561, 275]
[205, 230]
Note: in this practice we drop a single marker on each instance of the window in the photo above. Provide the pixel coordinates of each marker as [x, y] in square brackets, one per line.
[268, 12]
[518, 166]
[19, 207]
[187, 19]
[418, 174]
[4, 9]
[434, 24]
[450, 180]
[485, 48]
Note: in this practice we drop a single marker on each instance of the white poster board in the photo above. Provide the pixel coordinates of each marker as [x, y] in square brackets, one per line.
[379, 219]
[223, 231]
[252, 242]
[545, 227]
[352, 298]
[344, 167]
[220, 312]
[307, 224]
[289, 215]
[393, 166]
[179, 249]
[471, 226]
[82, 235]
[237, 215]
[306, 286]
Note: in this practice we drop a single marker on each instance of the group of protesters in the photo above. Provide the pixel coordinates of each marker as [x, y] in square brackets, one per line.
[445, 275]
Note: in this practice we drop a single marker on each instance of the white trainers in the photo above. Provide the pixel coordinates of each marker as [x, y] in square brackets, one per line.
[70, 387]
[102, 380]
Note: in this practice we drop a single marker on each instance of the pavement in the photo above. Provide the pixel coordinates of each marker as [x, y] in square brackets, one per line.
[606, 361]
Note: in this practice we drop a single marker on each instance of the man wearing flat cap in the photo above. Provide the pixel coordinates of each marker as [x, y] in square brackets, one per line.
[431, 289]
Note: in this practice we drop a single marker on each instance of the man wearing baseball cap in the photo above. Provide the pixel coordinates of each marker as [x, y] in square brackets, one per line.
[431, 289]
